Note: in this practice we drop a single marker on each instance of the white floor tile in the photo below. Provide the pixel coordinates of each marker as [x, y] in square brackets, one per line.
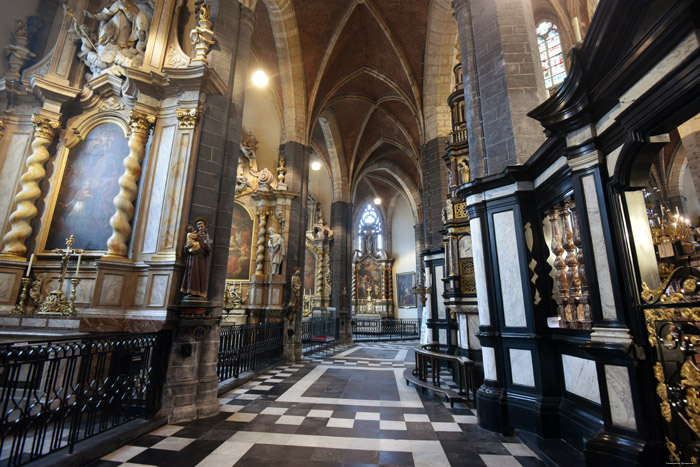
[518, 449]
[493, 460]
[320, 413]
[290, 420]
[445, 426]
[274, 380]
[230, 408]
[416, 417]
[465, 419]
[340, 423]
[262, 387]
[273, 411]
[248, 397]
[166, 430]
[241, 417]
[173, 443]
[124, 454]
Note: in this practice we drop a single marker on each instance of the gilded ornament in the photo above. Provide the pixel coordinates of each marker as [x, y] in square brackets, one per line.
[689, 285]
[187, 118]
[202, 36]
[112, 104]
[141, 122]
[2, 129]
[672, 455]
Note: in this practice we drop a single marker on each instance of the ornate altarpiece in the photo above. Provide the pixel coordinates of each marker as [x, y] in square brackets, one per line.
[317, 265]
[372, 283]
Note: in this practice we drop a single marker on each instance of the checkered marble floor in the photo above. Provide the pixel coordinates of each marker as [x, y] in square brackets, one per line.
[346, 407]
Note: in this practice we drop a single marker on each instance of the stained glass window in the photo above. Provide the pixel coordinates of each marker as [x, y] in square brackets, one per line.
[370, 223]
[551, 55]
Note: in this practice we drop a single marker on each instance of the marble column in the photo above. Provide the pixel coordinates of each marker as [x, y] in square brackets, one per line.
[25, 209]
[117, 245]
[297, 157]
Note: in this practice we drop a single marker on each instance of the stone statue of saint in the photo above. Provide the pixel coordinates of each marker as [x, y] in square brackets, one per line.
[295, 296]
[275, 243]
[196, 250]
[464, 171]
[344, 299]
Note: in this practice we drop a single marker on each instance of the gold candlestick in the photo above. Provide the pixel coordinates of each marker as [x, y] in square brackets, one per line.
[71, 301]
[21, 306]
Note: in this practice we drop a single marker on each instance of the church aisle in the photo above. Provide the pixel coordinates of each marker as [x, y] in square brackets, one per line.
[349, 408]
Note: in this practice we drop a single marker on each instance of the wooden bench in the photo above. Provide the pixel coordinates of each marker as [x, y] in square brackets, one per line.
[426, 374]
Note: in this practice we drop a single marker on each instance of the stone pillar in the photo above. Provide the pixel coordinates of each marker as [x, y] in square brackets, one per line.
[297, 157]
[117, 244]
[340, 262]
[420, 275]
[434, 190]
[25, 209]
[502, 81]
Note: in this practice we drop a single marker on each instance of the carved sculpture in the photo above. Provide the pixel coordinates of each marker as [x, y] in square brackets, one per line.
[18, 53]
[121, 37]
[202, 36]
[196, 251]
[295, 296]
[275, 243]
[36, 289]
[141, 125]
[25, 210]
[464, 170]
[2, 129]
[281, 172]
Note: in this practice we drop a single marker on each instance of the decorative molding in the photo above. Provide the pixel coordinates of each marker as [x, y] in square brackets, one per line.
[187, 118]
[112, 103]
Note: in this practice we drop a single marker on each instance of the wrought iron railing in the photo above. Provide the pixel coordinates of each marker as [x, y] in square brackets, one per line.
[248, 347]
[389, 329]
[672, 313]
[56, 394]
[319, 333]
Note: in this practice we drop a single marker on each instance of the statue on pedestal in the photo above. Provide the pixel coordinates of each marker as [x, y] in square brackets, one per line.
[196, 250]
[275, 243]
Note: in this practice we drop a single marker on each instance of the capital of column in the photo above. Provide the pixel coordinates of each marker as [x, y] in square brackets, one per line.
[44, 127]
[141, 122]
[458, 5]
[248, 12]
[187, 118]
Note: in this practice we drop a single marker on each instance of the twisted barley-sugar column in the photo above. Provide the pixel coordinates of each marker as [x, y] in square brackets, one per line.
[25, 209]
[260, 250]
[2, 129]
[141, 125]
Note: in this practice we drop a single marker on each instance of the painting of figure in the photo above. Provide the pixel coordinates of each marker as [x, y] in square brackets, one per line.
[404, 290]
[369, 281]
[89, 184]
[310, 272]
[240, 245]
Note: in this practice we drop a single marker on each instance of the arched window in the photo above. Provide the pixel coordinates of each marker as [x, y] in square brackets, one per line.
[549, 44]
[370, 224]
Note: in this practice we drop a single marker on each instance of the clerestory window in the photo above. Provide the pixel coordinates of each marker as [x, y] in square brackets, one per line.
[551, 55]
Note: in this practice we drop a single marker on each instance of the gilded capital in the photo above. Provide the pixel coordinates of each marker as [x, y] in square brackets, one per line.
[44, 127]
[141, 122]
[187, 118]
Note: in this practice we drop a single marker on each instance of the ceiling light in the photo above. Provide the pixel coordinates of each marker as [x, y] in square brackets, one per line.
[260, 79]
[315, 165]
[377, 201]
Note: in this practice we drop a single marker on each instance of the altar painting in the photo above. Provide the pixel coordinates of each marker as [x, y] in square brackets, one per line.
[369, 281]
[310, 272]
[89, 184]
[240, 245]
[404, 290]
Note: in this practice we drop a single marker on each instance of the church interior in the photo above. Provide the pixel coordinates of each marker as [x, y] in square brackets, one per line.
[342, 232]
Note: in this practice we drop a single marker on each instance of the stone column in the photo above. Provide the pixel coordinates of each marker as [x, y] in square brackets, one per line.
[502, 81]
[434, 190]
[297, 157]
[340, 262]
[141, 125]
[25, 209]
[420, 275]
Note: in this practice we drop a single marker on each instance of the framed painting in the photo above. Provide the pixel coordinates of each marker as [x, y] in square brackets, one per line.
[240, 244]
[89, 184]
[369, 281]
[405, 282]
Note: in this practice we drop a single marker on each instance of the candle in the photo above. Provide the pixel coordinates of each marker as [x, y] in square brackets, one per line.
[29, 268]
[77, 268]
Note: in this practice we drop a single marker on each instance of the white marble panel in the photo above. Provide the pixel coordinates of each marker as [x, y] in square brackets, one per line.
[544, 176]
[465, 247]
[581, 377]
[7, 281]
[111, 291]
[473, 323]
[159, 289]
[463, 341]
[12, 169]
[521, 370]
[600, 251]
[140, 295]
[158, 181]
[480, 272]
[509, 269]
[442, 336]
[489, 356]
[440, 289]
[620, 395]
